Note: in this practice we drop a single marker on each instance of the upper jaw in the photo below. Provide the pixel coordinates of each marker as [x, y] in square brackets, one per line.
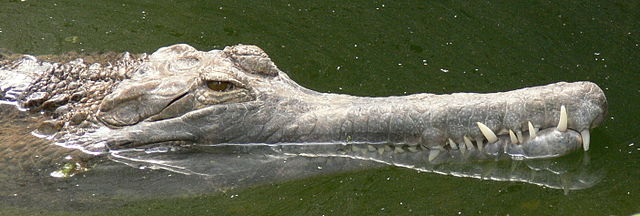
[566, 114]
[476, 120]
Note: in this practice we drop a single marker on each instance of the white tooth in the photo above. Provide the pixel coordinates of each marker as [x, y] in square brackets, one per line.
[453, 144]
[480, 143]
[491, 137]
[381, 151]
[388, 148]
[514, 139]
[503, 131]
[562, 124]
[462, 148]
[532, 131]
[433, 154]
[412, 149]
[371, 148]
[398, 149]
[586, 138]
[520, 138]
[468, 142]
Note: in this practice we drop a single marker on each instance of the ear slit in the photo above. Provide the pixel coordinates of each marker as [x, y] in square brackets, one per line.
[176, 99]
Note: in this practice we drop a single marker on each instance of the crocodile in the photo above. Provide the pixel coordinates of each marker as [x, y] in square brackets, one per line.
[180, 96]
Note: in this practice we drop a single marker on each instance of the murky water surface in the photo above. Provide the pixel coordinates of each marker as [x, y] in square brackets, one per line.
[368, 48]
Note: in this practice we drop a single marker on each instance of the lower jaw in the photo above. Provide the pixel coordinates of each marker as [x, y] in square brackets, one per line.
[411, 152]
[567, 172]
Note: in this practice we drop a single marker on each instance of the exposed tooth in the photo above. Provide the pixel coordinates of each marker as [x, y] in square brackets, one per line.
[371, 148]
[491, 137]
[381, 151]
[398, 149]
[468, 142]
[453, 144]
[562, 124]
[503, 131]
[519, 135]
[433, 154]
[532, 131]
[586, 138]
[412, 149]
[480, 143]
[514, 139]
[462, 148]
[388, 148]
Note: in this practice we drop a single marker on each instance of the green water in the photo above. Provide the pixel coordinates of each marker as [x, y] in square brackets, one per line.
[379, 48]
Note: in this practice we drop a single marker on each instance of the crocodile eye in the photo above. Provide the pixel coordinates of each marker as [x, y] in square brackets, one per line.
[219, 85]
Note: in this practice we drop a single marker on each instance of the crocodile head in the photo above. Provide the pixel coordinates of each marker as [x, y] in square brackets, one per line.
[181, 96]
[179, 79]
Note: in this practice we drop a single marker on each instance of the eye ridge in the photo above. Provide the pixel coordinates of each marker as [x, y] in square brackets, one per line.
[220, 86]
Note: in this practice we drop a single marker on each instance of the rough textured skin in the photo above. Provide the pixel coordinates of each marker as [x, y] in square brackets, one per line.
[180, 96]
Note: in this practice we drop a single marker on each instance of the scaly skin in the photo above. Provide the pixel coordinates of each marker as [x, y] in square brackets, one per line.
[181, 96]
